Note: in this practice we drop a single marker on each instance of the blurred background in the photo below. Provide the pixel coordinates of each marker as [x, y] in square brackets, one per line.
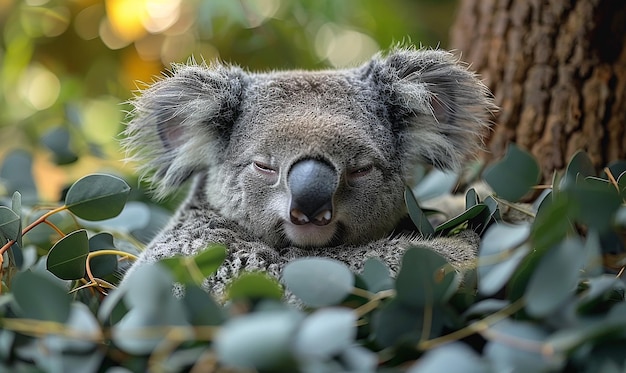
[68, 66]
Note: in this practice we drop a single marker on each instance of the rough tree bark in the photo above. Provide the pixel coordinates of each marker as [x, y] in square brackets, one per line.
[558, 71]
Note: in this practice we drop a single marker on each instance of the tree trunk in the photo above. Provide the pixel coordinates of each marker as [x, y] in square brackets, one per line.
[558, 71]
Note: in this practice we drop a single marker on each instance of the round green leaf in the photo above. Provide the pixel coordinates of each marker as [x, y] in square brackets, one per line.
[395, 322]
[569, 339]
[359, 359]
[39, 298]
[452, 357]
[58, 141]
[485, 307]
[376, 276]
[555, 278]
[552, 223]
[81, 322]
[10, 223]
[254, 285]
[417, 214]
[318, 282]
[600, 290]
[496, 260]
[102, 265]
[135, 215]
[435, 183]
[579, 167]
[17, 174]
[201, 307]
[97, 197]
[67, 258]
[325, 333]
[259, 341]
[151, 302]
[594, 205]
[514, 175]
[422, 280]
[194, 269]
[524, 355]
[471, 198]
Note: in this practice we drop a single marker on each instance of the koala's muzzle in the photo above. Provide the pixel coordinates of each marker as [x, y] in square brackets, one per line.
[312, 184]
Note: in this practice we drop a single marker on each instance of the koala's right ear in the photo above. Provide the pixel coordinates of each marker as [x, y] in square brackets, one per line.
[182, 123]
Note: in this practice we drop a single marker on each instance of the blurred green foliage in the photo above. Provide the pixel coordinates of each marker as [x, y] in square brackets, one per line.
[545, 294]
[67, 67]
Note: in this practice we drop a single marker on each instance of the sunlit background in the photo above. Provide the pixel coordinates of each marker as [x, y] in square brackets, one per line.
[68, 66]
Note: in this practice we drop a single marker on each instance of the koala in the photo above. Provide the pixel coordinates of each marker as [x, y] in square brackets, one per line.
[289, 164]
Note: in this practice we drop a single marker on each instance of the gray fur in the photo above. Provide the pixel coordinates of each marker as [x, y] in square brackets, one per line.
[372, 124]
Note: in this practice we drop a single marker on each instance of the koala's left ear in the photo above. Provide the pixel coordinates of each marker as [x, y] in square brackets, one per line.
[181, 124]
[439, 109]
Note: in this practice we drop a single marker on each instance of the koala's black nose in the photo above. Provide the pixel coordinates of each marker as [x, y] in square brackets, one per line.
[312, 184]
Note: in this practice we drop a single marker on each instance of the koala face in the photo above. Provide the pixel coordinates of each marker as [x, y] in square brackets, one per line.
[309, 159]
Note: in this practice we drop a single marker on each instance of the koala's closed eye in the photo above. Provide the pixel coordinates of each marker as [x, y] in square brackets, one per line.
[264, 168]
[361, 170]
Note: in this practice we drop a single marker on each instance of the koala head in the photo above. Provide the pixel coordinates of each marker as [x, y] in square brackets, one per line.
[309, 158]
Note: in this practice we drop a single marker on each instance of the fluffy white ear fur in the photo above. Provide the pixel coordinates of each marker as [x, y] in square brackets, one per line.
[445, 106]
[181, 121]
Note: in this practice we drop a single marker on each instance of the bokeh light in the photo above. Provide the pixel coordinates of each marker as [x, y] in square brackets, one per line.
[39, 87]
[72, 65]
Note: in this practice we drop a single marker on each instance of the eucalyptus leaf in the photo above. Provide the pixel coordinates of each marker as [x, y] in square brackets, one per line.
[471, 198]
[102, 265]
[318, 282]
[67, 257]
[10, 223]
[359, 359]
[548, 288]
[16, 206]
[17, 173]
[594, 205]
[552, 223]
[500, 253]
[134, 216]
[260, 341]
[452, 357]
[194, 269]
[600, 290]
[578, 167]
[513, 176]
[153, 309]
[417, 214]
[617, 169]
[423, 280]
[202, 310]
[97, 197]
[325, 333]
[376, 276]
[485, 307]
[58, 141]
[56, 362]
[494, 208]
[471, 213]
[83, 326]
[524, 354]
[254, 285]
[39, 298]
[434, 184]
[568, 339]
[396, 322]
